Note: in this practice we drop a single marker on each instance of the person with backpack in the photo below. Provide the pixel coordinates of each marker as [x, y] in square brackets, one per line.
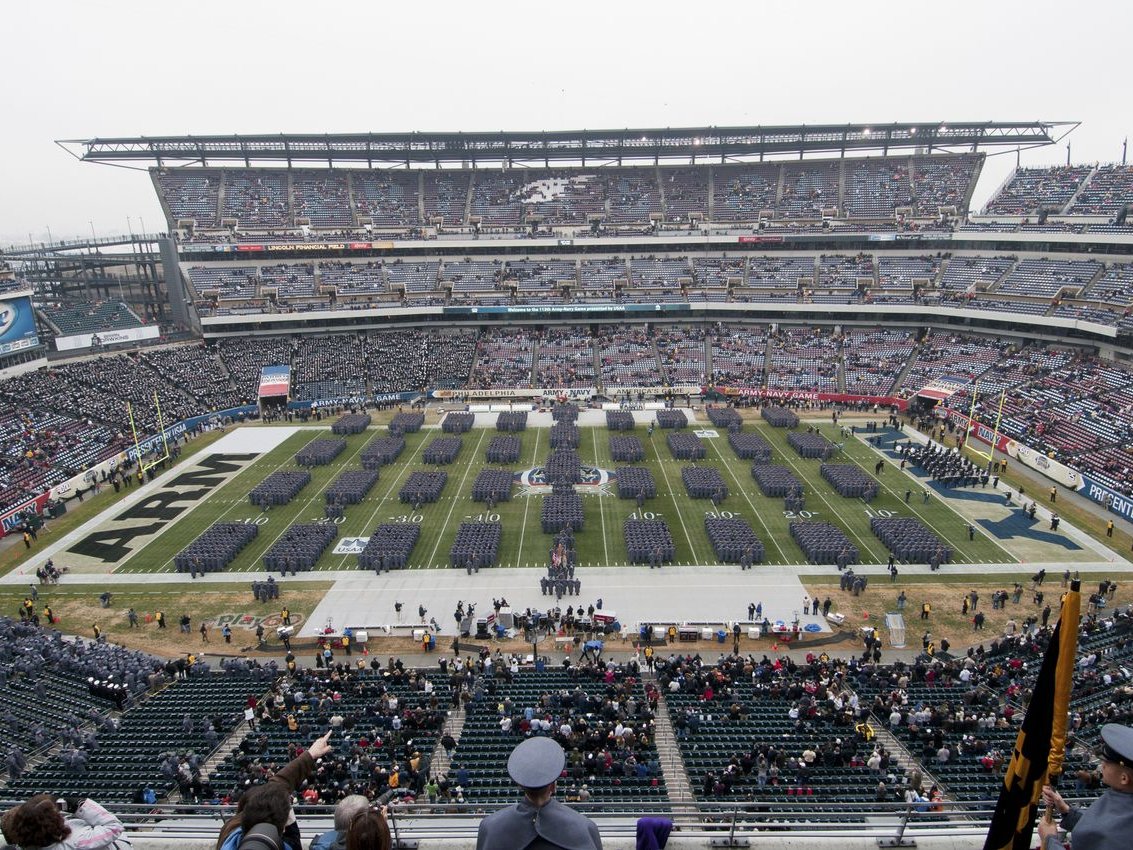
[264, 818]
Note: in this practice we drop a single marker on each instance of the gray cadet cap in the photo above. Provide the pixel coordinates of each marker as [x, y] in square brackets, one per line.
[536, 763]
[1117, 744]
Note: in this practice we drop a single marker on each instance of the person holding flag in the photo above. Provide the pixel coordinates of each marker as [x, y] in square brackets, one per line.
[1108, 823]
[1040, 747]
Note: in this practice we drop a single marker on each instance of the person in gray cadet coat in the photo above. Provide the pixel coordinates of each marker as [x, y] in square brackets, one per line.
[538, 821]
[1108, 823]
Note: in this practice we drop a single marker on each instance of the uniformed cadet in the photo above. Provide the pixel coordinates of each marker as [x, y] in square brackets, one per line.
[1108, 822]
[538, 821]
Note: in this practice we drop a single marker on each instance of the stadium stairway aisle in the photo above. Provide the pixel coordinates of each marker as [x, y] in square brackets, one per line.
[453, 725]
[672, 766]
[903, 762]
[900, 379]
[222, 752]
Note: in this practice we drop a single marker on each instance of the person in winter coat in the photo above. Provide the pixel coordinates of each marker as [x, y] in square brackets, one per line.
[271, 802]
[42, 822]
[344, 812]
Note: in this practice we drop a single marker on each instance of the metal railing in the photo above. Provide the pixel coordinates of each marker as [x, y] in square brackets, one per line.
[890, 824]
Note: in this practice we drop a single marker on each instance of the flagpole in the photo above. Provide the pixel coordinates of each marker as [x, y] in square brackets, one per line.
[1063, 684]
[1040, 746]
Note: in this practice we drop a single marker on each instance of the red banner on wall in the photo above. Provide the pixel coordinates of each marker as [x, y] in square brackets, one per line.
[806, 395]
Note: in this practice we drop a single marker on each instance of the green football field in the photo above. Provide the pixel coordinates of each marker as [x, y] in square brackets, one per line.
[601, 542]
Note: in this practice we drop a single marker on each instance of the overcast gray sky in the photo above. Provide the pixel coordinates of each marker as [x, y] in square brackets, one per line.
[79, 70]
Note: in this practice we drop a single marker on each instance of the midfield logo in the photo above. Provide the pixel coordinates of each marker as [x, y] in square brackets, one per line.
[533, 482]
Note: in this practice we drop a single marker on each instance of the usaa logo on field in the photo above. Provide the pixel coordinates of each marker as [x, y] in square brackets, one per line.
[592, 479]
[350, 545]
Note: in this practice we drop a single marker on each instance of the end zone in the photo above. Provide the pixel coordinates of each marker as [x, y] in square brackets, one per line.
[104, 543]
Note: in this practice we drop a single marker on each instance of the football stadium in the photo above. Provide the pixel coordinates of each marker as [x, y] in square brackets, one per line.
[774, 487]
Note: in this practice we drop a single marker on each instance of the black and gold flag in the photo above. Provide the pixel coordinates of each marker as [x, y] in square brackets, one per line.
[1042, 732]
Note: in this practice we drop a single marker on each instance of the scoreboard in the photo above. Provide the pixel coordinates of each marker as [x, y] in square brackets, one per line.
[17, 325]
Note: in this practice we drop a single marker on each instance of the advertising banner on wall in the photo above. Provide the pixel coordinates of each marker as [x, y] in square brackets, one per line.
[1048, 466]
[77, 341]
[805, 395]
[513, 392]
[17, 325]
[83, 481]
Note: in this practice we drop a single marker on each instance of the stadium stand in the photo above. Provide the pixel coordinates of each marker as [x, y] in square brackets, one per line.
[1108, 193]
[256, 198]
[1034, 190]
[604, 722]
[873, 359]
[387, 197]
[504, 358]
[565, 359]
[738, 356]
[681, 352]
[90, 317]
[190, 195]
[803, 359]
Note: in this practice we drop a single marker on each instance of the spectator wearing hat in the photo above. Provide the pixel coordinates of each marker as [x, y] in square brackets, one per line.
[538, 819]
[1108, 822]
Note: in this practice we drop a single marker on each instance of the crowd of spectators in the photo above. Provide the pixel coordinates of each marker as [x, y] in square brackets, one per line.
[343, 202]
[65, 418]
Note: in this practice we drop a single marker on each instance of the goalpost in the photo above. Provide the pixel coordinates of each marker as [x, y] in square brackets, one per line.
[145, 467]
[972, 445]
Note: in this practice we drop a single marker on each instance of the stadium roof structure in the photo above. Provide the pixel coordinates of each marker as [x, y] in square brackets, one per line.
[589, 147]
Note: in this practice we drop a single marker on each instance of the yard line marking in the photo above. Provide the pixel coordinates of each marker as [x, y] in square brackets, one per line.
[406, 464]
[460, 489]
[601, 505]
[304, 505]
[816, 489]
[754, 509]
[527, 500]
[676, 505]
